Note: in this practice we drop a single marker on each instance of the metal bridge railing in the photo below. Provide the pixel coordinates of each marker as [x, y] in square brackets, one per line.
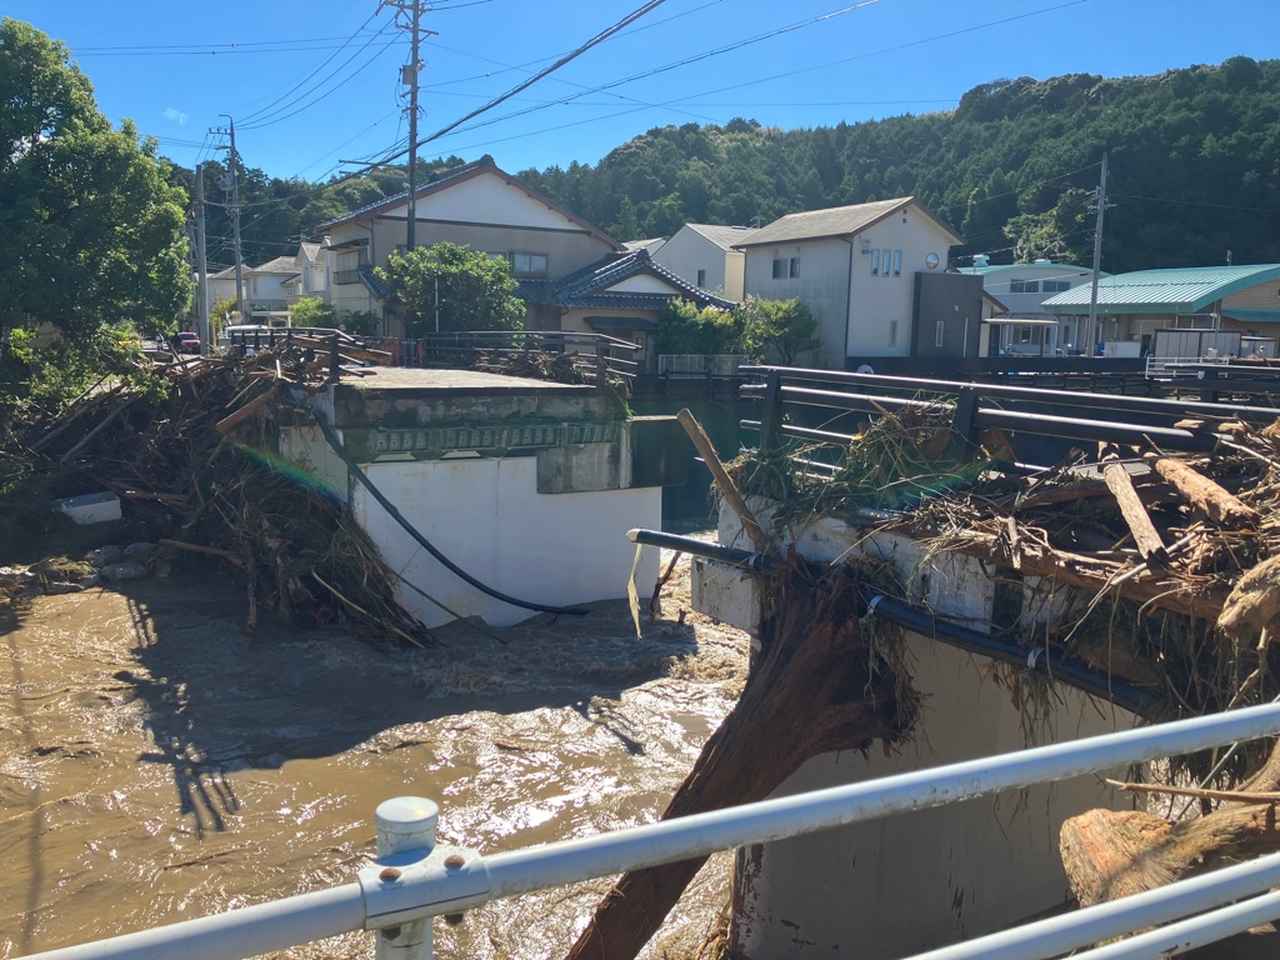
[415, 879]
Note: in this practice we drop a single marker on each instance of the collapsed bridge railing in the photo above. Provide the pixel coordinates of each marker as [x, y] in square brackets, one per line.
[415, 879]
[1065, 414]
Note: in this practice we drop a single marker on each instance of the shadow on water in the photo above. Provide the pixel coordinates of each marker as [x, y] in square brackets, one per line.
[218, 702]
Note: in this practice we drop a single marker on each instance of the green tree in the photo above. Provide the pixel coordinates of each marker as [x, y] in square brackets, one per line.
[684, 327]
[313, 312]
[778, 330]
[93, 231]
[461, 288]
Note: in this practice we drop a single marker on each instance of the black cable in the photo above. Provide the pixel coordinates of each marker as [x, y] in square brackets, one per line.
[336, 444]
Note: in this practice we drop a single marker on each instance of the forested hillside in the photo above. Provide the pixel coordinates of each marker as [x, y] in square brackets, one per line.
[1195, 171]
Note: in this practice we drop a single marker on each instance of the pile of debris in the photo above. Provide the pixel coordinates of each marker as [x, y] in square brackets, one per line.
[189, 448]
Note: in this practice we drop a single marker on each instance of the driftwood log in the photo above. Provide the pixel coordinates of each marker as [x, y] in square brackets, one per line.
[811, 691]
[1114, 853]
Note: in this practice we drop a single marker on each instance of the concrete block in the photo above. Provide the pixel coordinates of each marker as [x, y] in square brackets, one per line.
[660, 452]
[726, 593]
[580, 468]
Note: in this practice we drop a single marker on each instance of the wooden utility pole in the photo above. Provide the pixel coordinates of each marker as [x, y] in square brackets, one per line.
[202, 264]
[1101, 200]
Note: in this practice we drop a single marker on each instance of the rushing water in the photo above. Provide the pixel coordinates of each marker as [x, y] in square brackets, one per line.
[157, 765]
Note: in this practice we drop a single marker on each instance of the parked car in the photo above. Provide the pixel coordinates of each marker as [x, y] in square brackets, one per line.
[186, 341]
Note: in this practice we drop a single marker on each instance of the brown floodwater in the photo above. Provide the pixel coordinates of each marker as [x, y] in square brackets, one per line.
[158, 765]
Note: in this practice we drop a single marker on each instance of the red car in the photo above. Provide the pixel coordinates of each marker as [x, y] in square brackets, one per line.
[186, 342]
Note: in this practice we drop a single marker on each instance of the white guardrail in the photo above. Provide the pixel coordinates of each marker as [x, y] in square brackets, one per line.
[415, 879]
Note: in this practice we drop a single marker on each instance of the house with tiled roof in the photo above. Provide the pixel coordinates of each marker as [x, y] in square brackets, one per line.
[704, 255]
[479, 205]
[858, 268]
[1134, 305]
[623, 296]
[311, 271]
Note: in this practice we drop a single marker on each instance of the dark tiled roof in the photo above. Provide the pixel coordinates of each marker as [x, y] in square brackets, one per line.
[589, 287]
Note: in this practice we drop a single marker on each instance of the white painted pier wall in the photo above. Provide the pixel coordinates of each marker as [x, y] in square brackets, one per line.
[908, 883]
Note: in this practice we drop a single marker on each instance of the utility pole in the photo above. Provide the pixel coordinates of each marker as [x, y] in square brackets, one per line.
[233, 161]
[202, 265]
[409, 77]
[415, 64]
[1101, 201]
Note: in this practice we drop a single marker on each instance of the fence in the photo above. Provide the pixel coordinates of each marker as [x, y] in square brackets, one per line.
[719, 366]
[977, 406]
[591, 354]
[415, 879]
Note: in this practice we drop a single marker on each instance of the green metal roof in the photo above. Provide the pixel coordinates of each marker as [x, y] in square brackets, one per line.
[1174, 290]
[1252, 314]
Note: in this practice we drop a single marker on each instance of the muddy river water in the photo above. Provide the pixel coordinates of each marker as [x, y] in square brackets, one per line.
[157, 765]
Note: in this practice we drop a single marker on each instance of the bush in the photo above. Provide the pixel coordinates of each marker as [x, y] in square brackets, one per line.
[448, 286]
[312, 312]
[777, 330]
[362, 323]
[686, 328]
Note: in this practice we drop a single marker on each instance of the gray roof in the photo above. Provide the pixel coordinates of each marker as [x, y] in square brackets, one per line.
[589, 287]
[277, 265]
[831, 222]
[721, 235]
[652, 244]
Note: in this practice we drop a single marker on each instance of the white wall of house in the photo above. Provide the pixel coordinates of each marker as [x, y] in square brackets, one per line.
[1023, 287]
[820, 281]
[863, 308]
[643, 283]
[883, 297]
[270, 286]
[486, 198]
[694, 258]
[557, 549]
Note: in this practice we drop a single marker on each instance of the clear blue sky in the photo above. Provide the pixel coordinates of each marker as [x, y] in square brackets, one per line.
[178, 95]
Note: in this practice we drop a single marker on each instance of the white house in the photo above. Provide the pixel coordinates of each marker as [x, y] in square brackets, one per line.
[854, 267]
[1024, 287]
[311, 278]
[703, 254]
[479, 205]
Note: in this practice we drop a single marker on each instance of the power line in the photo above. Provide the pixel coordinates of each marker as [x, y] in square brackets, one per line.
[776, 76]
[1196, 203]
[599, 38]
[277, 115]
[320, 66]
[675, 64]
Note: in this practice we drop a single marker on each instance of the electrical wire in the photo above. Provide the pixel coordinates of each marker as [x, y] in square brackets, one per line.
[1192, 203]
[278, 115]
[594, 41]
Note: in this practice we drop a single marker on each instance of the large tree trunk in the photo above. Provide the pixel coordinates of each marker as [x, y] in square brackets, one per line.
[810, 693]
[1109, 854]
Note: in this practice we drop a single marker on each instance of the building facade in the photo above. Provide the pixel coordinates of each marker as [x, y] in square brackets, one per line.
[1023, 288]
[1133, 306]
[477, 205]
[703, 254]
[854, 268]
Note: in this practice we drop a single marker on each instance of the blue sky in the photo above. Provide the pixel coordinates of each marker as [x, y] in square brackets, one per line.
[896, 59]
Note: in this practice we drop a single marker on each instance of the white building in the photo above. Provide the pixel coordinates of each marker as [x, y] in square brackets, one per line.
[854, 267]
[312, 276]
[1023, 288]
[703, 254]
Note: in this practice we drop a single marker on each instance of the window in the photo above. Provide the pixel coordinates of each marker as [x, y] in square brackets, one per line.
[779, 268]
[1024, 286]
[702, 278]
[897, 266]
[1054, 286]
[939, 333]
[529, 264]
[886, 262]
[1024, 334]
[893, 333]
[875, 263]
[795, 267]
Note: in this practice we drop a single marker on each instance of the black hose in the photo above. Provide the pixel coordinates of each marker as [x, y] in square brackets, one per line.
[331, 435]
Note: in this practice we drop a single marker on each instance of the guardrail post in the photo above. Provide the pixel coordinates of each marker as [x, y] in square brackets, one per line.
[771, 415]
[405, 825]
[335, 371]
[1208, 389]
[963, 423]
